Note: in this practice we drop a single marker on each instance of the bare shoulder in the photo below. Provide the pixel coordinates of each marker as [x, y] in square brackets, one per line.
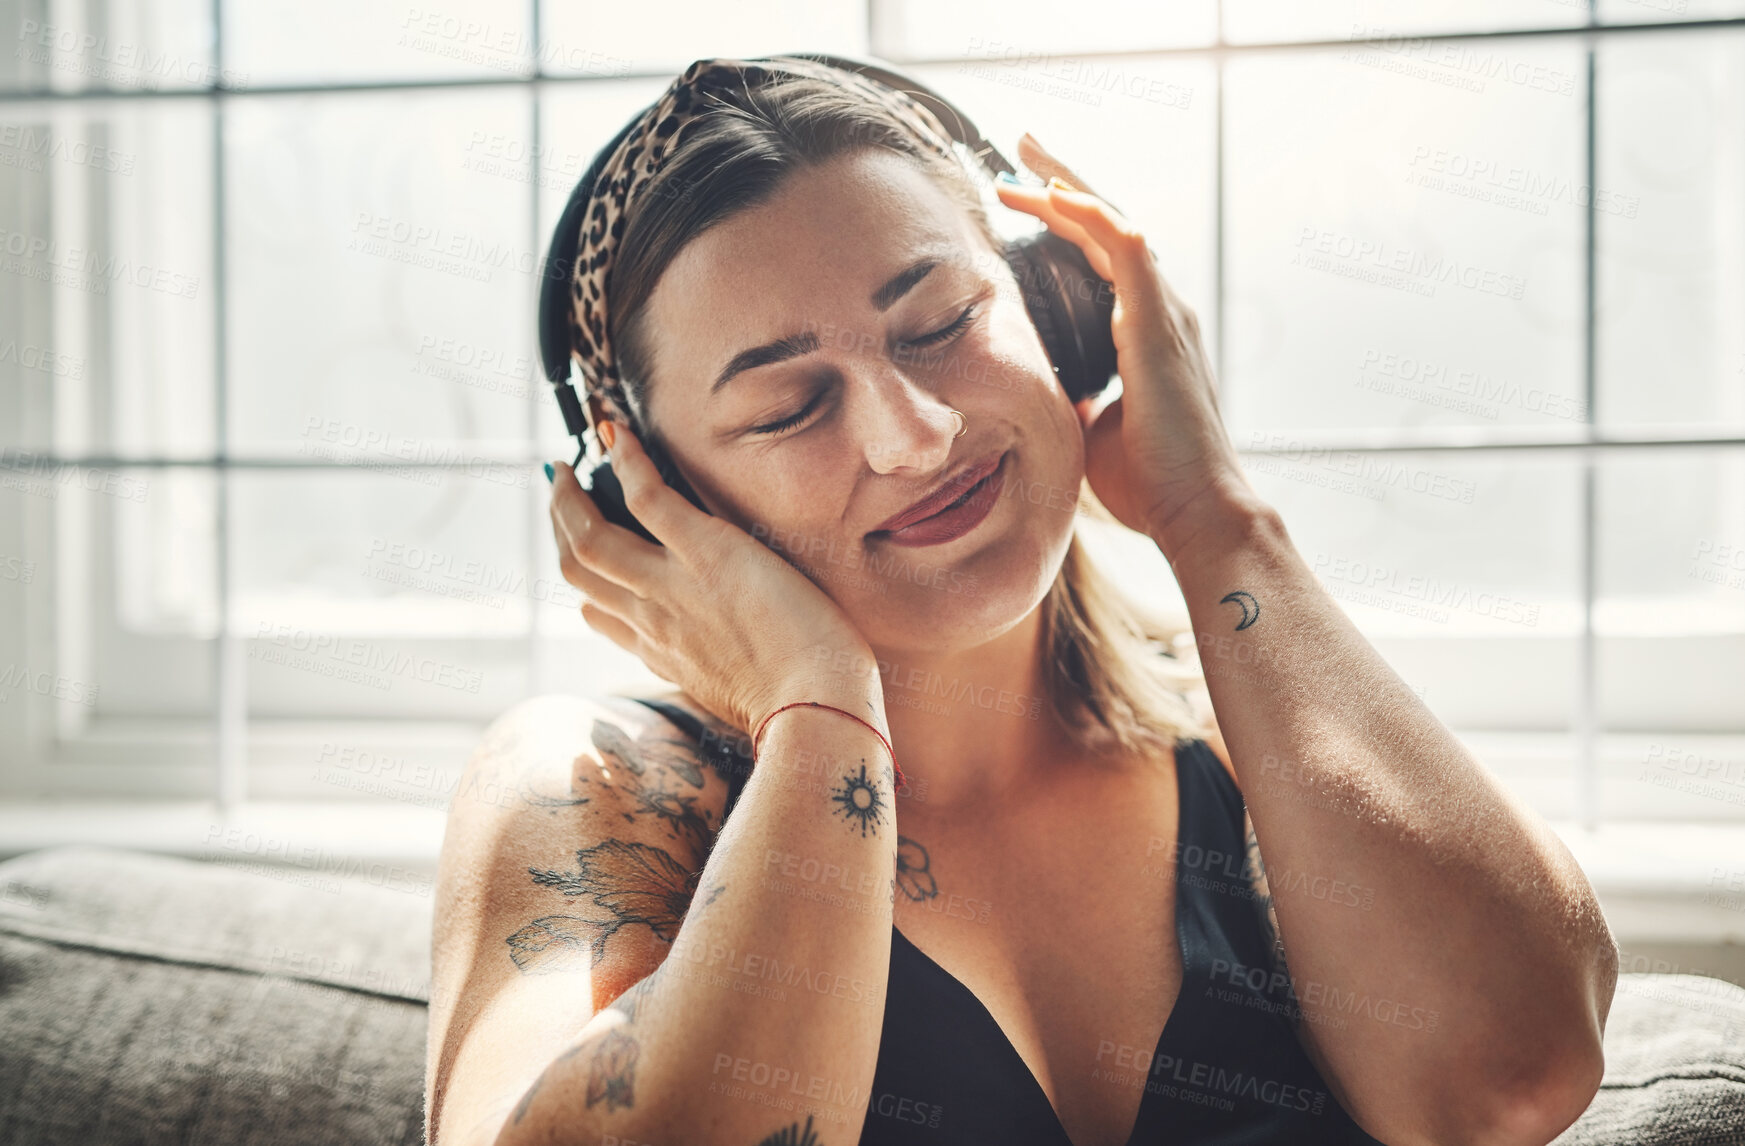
[555, 773]
[575, 841]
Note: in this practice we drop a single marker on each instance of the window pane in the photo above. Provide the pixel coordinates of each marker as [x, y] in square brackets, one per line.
[612, 39]
[139, 566]
[1435, 543]
[165, 551]
[1404, 21]
[1671, 632]
[1659, 11]
[382, 270]
[107, 339]
[387, 592]
[1401, 252]
[1671, 268]
[1672, 565]
[1007, 34]
[146, 45]
[107, 584]
[1464, 571]
[389, 552]
[271, 42]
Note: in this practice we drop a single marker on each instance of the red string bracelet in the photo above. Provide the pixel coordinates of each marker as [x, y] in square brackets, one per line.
[902, 782]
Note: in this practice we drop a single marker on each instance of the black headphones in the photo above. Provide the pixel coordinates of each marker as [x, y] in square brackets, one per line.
[1069, 303]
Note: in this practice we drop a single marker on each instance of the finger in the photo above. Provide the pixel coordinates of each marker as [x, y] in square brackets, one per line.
[611, 628]
[1038, 202]
[609, 595]
[663, 510]
[1044, 162]
[1132, 266]
[583, 533]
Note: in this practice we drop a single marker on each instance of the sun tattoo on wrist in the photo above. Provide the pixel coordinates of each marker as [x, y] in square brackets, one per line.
[859, 800]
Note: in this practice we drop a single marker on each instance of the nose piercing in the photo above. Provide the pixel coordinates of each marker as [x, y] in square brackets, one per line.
[962, 424]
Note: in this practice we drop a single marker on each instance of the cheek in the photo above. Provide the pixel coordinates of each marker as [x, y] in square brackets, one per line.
[1022, 363]
[1015, 338]
[784, 500]
[1022, 379]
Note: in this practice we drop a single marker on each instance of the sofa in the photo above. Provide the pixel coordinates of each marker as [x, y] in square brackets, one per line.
[150, 1000]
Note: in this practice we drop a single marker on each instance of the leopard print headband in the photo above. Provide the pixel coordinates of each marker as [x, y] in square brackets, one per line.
[702, 85]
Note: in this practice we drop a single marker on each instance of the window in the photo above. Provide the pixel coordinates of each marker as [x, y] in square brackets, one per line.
[273, 419]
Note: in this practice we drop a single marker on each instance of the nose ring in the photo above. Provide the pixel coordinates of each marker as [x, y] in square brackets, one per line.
[962, 424]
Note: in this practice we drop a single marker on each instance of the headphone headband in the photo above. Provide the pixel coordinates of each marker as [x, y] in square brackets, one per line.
[961, 127]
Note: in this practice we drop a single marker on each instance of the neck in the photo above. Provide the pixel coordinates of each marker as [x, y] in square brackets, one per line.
[973, 725]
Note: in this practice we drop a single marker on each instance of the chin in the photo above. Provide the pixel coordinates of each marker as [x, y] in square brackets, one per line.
[939, 603]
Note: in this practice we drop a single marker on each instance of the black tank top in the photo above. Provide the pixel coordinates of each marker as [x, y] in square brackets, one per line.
[1227, 1070]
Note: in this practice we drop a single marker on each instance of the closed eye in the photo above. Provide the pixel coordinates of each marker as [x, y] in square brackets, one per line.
[791, 420]
[943, 334]
[947, 332]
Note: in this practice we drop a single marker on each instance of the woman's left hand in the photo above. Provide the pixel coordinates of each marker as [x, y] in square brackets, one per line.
[1158, 457]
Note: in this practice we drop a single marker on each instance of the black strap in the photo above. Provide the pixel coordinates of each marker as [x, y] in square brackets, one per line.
[729, 756]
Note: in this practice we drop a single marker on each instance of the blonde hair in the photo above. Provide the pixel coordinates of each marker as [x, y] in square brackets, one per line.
[1117, 679]
[1117, 669]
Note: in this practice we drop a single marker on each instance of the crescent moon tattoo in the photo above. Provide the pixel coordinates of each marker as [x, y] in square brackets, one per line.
[1250, 607]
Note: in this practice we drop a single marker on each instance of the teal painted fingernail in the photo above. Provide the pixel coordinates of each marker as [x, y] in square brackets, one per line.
[1007, 177]
[550, 474]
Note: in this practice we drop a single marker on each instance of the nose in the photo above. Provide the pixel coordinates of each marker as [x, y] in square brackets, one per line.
[903, 426]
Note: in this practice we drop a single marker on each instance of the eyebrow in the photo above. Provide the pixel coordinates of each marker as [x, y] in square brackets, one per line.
[796, 345]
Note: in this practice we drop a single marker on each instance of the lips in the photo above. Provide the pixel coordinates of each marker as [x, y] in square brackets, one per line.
[950, 491]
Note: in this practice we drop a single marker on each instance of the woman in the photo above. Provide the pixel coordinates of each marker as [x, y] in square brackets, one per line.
[1072, 940]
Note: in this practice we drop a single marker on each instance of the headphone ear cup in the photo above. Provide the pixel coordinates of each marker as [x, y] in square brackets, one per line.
[608, 493]
[603, 486]
[1030, 276]
[1072, 308]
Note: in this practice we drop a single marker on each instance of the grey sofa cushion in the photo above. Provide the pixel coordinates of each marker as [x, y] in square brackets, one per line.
[1675, 1066]
[147, 1001]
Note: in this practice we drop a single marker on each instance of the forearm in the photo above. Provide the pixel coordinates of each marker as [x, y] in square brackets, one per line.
[770, 1003]
[1458, 900]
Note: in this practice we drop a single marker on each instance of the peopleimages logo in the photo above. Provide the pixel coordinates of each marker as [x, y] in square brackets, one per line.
[1388, 264]
[1388, 582]
[907, 1110]
[116, 61]
[32, 473]
[1451, 62]
[439, 248]
[1510, 185]
[1200, 1082]
[41, 254]
[752, 969]
[45, 683]
[346, 441]
[1410, 376]
[39, 358]
[22, 145]
[504, 47]
[354, 660]
[1080, 80]
[265, 851]
[1272, 989]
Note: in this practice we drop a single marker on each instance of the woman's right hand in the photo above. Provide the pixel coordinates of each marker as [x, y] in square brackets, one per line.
[723, 617]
